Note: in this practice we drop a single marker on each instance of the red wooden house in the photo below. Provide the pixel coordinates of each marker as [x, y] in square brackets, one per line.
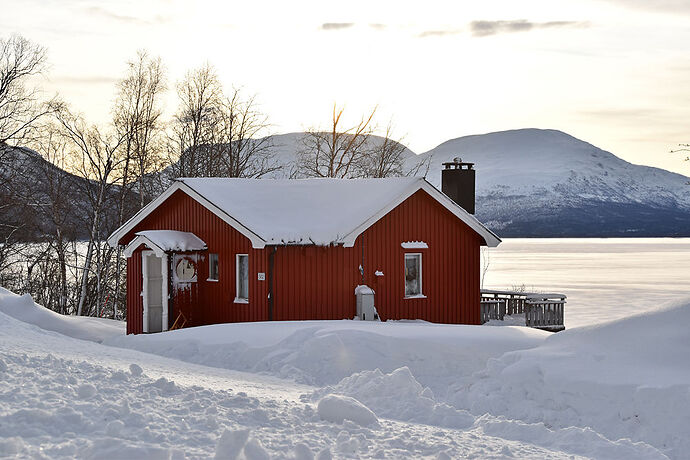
[216, 250]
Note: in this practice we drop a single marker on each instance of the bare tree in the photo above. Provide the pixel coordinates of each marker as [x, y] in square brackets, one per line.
[485, 257]
[136, 116]
[20, 109]
[683, 148]
[97, 161]
[56, 208]
[194, 126]
[383, 157]
[242, 147]
[337, 152]
[137, 120]
[217, 136]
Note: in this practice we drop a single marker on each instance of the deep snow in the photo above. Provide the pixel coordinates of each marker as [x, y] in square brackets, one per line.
[66, 398]
[620, 390]
[325, 352]
[24, 309]
[626, 378]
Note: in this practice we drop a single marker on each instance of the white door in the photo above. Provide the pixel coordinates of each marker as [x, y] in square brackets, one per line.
[155, 292]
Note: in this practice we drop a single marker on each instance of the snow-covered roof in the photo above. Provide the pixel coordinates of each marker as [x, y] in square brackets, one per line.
[303, 211]
[162, 241]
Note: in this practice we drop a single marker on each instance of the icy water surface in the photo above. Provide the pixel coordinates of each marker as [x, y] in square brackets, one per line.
[604, 279]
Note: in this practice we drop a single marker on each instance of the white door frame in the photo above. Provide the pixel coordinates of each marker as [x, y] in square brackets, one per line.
[145, 290]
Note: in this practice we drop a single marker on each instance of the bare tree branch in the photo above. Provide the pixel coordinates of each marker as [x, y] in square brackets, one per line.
[217, 136]
[136, 117]
[336, 152]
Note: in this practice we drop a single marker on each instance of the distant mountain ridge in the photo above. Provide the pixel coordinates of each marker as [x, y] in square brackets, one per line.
[542, 182]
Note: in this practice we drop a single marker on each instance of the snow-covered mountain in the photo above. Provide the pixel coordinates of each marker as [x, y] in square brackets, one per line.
[534, 182]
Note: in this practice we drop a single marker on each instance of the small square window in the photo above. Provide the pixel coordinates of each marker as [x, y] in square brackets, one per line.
[213, 267]
[413, 275]
[242, 278]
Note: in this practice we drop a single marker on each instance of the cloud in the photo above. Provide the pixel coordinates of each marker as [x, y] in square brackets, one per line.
[439, 33]
[378, 26]
[626, 113]
[336, 25]
[103, 12]
[671, 121]
[486, 28]
[659, 6]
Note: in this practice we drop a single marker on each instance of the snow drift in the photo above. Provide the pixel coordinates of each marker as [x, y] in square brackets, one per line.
[325, 352]
[625, 379]
[593, 392]
[25, 309]
[398, 396]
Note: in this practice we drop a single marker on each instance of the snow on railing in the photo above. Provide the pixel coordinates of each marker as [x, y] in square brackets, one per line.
[541, 310]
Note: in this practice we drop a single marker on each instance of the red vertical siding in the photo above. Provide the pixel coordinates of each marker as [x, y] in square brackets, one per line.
[318, 282]
[450, 265]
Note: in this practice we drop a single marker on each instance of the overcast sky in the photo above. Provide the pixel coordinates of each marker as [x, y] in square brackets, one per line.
[615, 73]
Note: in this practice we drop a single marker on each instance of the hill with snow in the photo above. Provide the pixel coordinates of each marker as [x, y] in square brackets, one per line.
[40, 194]
[534, 182]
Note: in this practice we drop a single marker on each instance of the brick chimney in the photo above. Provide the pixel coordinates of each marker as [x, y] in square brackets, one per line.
[457, 181]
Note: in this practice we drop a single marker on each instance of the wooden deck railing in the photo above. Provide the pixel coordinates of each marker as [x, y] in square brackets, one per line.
[541, 310]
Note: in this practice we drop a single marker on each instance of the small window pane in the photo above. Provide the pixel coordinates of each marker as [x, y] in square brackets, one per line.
[243, 276]
[213, 267]
[413, 274]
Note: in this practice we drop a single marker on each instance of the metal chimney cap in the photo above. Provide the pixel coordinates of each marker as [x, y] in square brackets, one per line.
[457, 163]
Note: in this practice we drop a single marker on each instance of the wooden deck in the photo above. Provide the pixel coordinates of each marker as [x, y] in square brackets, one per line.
[541, 310]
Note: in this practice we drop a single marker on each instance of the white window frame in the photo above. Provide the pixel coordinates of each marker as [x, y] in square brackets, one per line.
[421, 277]
[210, 267]
[238, 299]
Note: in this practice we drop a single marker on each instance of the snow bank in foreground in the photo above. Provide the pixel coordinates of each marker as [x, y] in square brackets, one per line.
[25, 309]
[94, 402]
[235, 442]
[336, 408]
[625, 379]
[399, 396]
[325, 352]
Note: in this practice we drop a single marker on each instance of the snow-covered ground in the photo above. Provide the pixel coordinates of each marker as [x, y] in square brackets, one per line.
[394, 390]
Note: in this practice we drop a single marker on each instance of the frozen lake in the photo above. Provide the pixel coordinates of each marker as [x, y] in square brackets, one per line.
[604, 279]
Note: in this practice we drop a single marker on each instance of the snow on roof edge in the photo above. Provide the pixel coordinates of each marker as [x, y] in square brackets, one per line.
[411, 185]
